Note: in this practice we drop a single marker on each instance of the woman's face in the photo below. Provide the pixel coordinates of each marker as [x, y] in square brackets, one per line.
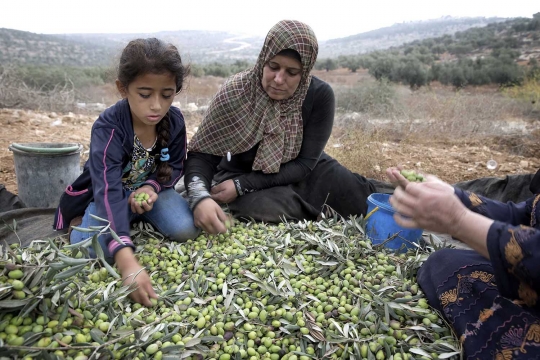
[281, 77]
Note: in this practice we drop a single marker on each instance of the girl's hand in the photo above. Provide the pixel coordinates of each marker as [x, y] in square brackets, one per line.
[430, 205]
[145, 205]
[133, 274]
[208, 216]
[224, 192]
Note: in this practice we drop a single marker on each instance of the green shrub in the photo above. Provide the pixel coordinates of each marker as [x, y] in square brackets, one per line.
[47, 78]
[196, 70]
[377, 98]
[326, 64]
[222, 69]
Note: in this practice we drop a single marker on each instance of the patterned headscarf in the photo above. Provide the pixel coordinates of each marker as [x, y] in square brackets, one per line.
[242, 114]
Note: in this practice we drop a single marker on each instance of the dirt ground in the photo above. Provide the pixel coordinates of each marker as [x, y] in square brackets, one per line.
[452, 161]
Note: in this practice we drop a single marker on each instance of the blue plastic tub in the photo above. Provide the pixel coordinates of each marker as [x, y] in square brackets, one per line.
[381, 226]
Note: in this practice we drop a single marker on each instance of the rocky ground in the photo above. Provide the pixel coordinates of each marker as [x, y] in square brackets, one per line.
[453, 161]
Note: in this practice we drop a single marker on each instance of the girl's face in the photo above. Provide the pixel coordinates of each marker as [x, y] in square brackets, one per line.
[281, 77]
[150, 96]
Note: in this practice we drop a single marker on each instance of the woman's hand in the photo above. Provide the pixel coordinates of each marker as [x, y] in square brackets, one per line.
[224, 192]
[134, 274]
[433, 205]
[430, 205]
[145, 205]
[395, 177]
[208, 216]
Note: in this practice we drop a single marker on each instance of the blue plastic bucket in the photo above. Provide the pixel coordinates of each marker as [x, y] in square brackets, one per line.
[381, 226]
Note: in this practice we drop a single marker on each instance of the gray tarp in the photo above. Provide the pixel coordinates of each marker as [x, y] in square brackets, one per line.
[512, 188]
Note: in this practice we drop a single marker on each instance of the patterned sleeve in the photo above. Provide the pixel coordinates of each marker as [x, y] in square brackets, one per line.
[200, 169]
[510, 213]
[515, 255]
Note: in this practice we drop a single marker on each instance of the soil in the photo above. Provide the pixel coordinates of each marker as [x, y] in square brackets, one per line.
[452, 161]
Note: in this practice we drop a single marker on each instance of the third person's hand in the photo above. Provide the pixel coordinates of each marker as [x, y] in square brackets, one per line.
[394, 176]
[431, 205]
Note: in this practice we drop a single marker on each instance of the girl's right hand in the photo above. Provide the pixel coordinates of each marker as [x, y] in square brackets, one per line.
[209, 216]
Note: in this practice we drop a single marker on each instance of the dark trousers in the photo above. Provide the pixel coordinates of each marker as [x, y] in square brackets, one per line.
[329, 185]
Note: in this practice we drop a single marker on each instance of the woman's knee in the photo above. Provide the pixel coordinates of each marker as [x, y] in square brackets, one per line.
[436, 263]
[453, 259]
[444, 263]
[439, 257]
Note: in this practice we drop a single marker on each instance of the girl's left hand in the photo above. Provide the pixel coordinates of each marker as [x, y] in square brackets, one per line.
[146, 205]
[224, 192]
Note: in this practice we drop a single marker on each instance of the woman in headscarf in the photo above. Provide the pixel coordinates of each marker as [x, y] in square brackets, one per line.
[262, 140]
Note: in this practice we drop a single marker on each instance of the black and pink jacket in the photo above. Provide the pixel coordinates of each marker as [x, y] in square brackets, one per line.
[111, 148]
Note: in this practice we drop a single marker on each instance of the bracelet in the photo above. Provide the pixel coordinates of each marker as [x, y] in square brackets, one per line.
[239, 190]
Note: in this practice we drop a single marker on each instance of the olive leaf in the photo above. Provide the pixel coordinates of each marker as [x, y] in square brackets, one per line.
[9, 304]
[69, 272]
[110, 269]
[448, 355]
[97, 335]
[31, 305]
[193, 342]
[420, 352]
[97, 248]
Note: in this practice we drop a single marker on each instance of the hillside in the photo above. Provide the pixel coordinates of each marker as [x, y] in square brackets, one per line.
[201, 47]
[503, 53]
[399, 34]
[197, 46]
[23, 47]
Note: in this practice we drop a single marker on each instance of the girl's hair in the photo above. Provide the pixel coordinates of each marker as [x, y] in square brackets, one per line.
[153, 56]
[291, 53]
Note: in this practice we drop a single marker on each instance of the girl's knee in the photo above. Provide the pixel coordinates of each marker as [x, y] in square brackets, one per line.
[185, 233]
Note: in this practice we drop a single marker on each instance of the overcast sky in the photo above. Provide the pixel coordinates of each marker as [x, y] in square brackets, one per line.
[328, 18]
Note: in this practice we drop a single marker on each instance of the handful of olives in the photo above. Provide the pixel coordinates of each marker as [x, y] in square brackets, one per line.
[411, 175]
[140, 197]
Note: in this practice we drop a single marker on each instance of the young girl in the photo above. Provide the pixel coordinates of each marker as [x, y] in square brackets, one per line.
[137, 146]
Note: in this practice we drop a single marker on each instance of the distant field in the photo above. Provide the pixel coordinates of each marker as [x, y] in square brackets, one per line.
[435, 129]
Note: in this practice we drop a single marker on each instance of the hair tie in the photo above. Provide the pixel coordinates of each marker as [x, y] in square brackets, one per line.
[165, 154]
